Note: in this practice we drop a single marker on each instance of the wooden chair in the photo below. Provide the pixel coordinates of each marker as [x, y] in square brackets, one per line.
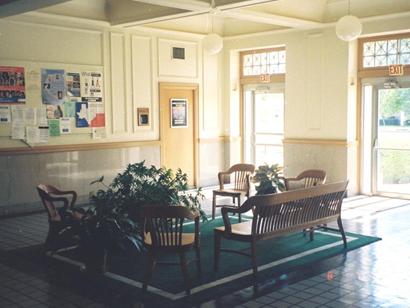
[164, 233]
[241, 185]
[63, 221]
[306, 179]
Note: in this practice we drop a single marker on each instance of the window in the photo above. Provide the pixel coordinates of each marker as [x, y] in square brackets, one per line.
[260, 62]
[380, 53]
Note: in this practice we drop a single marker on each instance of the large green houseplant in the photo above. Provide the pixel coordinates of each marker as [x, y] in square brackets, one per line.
[269, 179]
[114, 220]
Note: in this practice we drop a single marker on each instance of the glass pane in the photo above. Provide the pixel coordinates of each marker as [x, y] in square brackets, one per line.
[269, 113]
[368, 49]
[264, 69]
[247, 60]
[256, 70]
[263, 58]
[247, 71]
[256, 59]
[273, 57]
[405, 45]
[268, 154]
[368, 62]
[393, 153]
[392, 49]
[392, 59]
[405, 58]
[381, 48]
[282, 69]
[268, 139]
[381, 61]
[282, 56]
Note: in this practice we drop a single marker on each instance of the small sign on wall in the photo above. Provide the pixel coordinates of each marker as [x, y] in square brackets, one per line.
[179, 113]
[178, 53]
[396, 70]
[265, 78]
[143, 116]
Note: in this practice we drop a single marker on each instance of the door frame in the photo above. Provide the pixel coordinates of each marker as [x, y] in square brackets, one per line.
[195, 120]
[377, 83]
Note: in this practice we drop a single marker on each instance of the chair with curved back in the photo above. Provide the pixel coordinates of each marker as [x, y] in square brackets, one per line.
[63, 220]
[306, 179]
[241, 174]
[163, 227]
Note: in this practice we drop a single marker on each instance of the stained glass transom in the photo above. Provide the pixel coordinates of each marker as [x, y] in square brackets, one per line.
[386, 52]
[269, 62]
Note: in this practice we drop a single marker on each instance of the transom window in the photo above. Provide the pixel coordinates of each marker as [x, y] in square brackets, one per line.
[260, 62]
[386, 52]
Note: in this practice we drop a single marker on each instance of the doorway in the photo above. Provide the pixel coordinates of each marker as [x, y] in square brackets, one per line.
[263, 119]
[386, 136]
[178, 127]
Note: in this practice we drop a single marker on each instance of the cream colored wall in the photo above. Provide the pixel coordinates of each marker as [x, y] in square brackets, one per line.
[133, 63]
[320, 95]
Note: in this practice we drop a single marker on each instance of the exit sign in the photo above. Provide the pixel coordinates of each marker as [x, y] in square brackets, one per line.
[264, 78]
[396, 70]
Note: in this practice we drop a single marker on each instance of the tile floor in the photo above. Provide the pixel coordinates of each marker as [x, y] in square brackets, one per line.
[372, 276]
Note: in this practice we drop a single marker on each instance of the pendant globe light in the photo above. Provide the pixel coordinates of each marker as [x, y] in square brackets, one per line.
[349, 27]
[212, 42]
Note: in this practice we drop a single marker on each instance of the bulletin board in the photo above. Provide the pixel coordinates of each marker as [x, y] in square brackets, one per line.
[49, 103]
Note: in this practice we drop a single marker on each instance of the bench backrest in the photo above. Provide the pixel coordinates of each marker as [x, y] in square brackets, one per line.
[285, 211]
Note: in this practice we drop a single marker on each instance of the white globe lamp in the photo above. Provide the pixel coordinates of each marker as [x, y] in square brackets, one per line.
[212, 43]
[348, 28]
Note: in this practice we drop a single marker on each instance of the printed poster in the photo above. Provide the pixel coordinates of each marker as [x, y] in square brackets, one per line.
[69, 108]
[5, 114]
[96, 112]
[54, 111]
[65, 126]
[179, 113]
[54, 127]
[82, 114]
[53, 86]
[12, 85]
[73, 84]
[91, 84]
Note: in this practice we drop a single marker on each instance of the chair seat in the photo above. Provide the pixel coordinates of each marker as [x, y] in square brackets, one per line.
[243, 228]
[187, 240]
[229, 192]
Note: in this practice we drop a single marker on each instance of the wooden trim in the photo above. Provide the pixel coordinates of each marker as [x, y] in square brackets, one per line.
[274, 78]
[77, 147]
[327, 142]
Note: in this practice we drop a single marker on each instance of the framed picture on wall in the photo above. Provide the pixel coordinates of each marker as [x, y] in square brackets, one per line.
[143, 116]
[179, 113]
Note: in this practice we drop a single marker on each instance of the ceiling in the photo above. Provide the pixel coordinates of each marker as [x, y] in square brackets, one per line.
[228, 17]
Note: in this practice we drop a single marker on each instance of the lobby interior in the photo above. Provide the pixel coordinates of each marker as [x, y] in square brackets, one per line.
[278, 60]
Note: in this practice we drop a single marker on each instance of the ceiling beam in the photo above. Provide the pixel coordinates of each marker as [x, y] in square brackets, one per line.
[15, 7]
[188, 5]
[270, 19]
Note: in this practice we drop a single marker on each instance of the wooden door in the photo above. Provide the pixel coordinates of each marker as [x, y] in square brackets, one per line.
[178, 128]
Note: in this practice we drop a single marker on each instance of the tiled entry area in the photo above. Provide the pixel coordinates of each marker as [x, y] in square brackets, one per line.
[372, 276]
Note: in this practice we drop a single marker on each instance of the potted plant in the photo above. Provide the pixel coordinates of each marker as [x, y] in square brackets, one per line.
[269, 179]
[113, 222]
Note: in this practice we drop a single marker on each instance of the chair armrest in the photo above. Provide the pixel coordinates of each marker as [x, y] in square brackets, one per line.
[221, 178]
[67, 192]
[247, 206]
[59, 199]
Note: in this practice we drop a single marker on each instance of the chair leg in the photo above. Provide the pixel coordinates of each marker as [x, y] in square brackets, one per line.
[184, 269]
[239, 204]
[213, 205]
[198, 259]
[311, 233]
[217, 250]
[339, 223]
[149, 270]
[254, 267]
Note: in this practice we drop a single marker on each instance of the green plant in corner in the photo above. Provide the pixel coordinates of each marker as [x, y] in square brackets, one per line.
[269, 179]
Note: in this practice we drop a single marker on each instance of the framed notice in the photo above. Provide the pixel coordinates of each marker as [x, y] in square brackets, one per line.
[143, 116]
[179, 113]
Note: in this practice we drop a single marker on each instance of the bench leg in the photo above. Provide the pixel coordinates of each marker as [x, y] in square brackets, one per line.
[213, 206]
[311, 233]
[149, 270]
[254, 267]
[239, 204]
[217, 249]
[339, 223]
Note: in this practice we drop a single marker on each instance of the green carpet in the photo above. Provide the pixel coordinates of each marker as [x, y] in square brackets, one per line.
[235, 272]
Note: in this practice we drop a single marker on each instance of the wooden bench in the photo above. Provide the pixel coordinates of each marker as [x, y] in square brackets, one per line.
[280, 214]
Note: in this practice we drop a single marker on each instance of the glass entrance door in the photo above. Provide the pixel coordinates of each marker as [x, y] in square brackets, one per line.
[386, 138]
[264, 124]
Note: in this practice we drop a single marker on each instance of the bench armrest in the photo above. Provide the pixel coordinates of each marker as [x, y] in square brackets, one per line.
[234, 210]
